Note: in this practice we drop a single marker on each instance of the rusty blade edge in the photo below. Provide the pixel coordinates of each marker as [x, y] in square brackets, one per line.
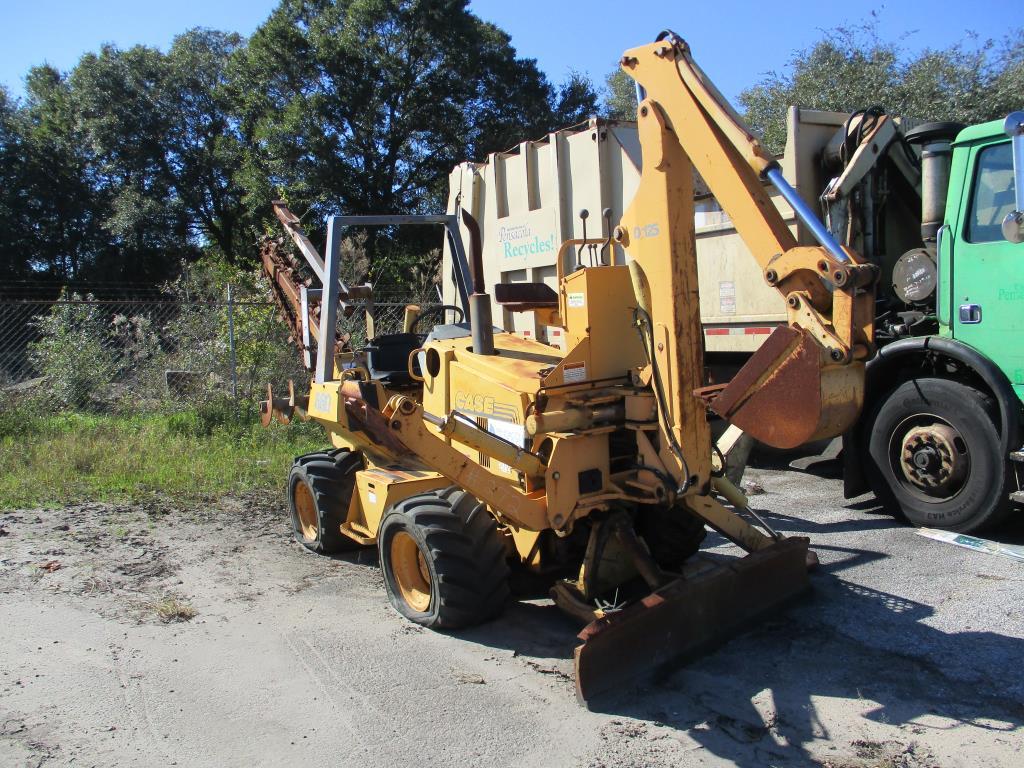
[687, 617]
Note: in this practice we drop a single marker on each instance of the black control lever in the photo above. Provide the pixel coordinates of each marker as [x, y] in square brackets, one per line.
[584, 214]
[606, 248]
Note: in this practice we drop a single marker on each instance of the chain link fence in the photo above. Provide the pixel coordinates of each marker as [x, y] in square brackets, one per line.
[79, 353]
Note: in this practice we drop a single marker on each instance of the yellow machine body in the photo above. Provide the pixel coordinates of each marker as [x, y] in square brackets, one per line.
[497, 392]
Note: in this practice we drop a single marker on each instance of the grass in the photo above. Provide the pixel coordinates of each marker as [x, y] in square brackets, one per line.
[53, 460]
[173, 609]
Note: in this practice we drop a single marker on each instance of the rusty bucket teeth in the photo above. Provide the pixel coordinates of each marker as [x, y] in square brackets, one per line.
[686, 617]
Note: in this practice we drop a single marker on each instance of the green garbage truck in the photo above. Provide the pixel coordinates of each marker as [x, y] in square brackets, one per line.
[940, 435]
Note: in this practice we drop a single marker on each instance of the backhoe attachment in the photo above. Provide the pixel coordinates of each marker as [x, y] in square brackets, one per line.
[807, 380]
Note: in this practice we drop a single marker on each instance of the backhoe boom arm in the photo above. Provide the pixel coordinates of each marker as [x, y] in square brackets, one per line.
[807, 380]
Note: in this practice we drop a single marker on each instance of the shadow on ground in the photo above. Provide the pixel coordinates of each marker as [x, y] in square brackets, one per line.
[764, 697]
[799, 679]
[1011, 531]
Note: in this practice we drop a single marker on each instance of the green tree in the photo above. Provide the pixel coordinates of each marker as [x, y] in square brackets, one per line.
[61, 212]
[13, 227]
[577, 100]
[620, 96]
[365, 105]
[203, 146]
[851, 68]
[127, 155]
[169, 155]
[139, 160]
[123, 167]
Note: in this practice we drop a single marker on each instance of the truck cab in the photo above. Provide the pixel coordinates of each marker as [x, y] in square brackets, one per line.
[981, 273]
[940, 437]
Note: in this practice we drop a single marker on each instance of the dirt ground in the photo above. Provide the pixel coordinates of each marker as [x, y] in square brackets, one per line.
[147, 635]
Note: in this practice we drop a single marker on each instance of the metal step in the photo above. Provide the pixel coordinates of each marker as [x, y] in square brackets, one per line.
[1017, 497]
[1017, 455]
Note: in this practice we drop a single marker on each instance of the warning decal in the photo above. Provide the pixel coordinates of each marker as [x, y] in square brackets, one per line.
[727, 297]
[573, 372]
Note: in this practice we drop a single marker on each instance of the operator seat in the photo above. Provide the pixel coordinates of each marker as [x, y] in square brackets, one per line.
[525, 297]
[387, 359]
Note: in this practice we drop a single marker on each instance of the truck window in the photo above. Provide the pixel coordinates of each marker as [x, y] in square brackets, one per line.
[992, 194]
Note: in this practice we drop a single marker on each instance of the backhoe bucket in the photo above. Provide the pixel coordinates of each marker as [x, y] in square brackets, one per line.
[686, 617]
[787, 394]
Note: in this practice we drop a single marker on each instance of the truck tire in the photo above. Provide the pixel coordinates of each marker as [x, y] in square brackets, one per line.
[673, 535]
[444, 562]
[933, 456]
[320, 487]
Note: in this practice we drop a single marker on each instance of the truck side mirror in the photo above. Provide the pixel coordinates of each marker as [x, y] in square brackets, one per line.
[1013, 224]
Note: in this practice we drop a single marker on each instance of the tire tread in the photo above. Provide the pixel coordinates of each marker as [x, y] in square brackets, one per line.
[468, 556]
[963, 399]
[331, 477]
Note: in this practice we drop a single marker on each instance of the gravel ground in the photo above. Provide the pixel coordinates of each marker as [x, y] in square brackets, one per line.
[149, 635]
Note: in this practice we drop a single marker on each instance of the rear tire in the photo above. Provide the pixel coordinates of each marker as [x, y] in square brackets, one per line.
[443, 559]
[972, 488]
[320, 489]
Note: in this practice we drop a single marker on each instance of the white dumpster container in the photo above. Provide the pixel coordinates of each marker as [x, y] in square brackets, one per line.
[528, 200]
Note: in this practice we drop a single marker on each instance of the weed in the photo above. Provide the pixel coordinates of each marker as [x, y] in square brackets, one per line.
[72, 352]
[172, 609]
[215, 414]
[20, 419]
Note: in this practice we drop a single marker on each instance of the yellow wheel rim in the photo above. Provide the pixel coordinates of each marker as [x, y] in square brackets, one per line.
[409, 568]
[305, 508]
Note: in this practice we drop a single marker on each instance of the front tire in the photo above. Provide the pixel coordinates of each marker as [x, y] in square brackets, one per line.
[934, 456]
[444, 562]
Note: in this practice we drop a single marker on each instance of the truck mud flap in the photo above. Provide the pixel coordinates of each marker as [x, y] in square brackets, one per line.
[686, 617]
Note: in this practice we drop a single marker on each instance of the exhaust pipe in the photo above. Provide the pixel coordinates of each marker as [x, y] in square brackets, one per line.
[480, 323]
[936, 140]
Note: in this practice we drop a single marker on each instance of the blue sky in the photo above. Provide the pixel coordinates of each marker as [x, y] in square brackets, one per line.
[734, 42]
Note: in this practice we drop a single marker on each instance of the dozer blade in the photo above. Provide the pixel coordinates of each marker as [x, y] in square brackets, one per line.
[787, 394]
[686, 617]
